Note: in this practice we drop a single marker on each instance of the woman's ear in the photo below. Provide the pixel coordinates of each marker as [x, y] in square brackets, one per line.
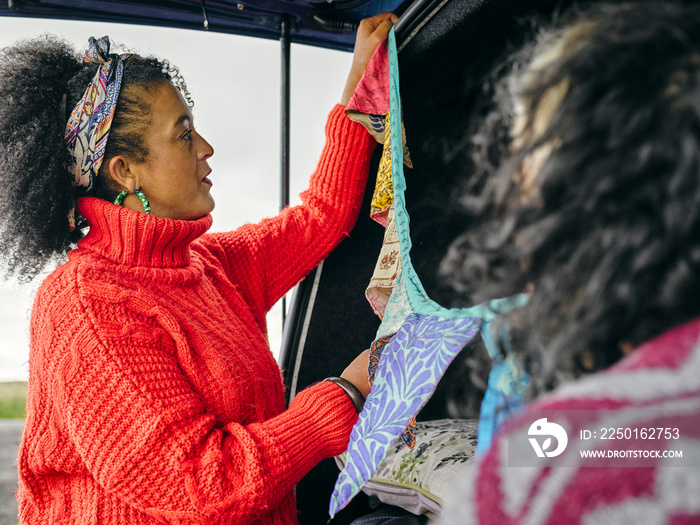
[121, 174]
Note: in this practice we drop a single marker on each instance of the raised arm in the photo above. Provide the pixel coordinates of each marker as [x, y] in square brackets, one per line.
[276, 253]
[266, 259]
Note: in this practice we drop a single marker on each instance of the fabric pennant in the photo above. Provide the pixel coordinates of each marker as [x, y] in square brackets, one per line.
[411, 365]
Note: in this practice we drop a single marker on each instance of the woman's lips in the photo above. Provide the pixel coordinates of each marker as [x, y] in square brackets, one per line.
[206, 180]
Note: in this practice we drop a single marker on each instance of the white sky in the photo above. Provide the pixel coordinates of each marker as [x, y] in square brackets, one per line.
[235, 84]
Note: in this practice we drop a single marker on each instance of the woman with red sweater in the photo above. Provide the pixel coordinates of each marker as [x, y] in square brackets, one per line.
[153, 394]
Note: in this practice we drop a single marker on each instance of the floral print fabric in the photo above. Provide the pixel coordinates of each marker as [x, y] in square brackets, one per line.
[88, 127]
[387, 269]
[419, 479]
[383, 196]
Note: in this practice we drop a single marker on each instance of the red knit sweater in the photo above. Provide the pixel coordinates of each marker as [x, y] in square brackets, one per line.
[153, 394]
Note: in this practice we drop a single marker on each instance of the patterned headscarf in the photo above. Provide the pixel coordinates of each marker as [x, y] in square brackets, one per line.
[89, 124]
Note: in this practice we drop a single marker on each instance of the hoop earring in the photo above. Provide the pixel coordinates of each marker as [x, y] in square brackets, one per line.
[120, 198]
[144, 201]
[146, 205]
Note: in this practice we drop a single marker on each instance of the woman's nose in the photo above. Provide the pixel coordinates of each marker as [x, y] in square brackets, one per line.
[205, 150]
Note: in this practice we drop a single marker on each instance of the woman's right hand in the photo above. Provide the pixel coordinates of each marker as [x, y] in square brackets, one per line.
[371, 32]
[357, 373]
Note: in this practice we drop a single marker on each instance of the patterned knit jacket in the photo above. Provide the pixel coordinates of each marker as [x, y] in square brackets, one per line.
[153, 394]
[656, 386]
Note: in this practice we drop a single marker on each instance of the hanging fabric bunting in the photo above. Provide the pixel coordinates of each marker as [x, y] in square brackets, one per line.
[427, 337]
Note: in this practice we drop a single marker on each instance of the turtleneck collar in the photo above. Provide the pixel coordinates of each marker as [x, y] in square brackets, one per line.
[135, 239]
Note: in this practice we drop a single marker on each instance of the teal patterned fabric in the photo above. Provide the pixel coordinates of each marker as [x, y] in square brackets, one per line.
[505, 392]
[427, 338]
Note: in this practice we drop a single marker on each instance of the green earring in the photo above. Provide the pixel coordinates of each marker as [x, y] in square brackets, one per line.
[120, 198]
[144, 201]
[146, 205]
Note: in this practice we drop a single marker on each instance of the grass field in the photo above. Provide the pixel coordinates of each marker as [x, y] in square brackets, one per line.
[13, 400]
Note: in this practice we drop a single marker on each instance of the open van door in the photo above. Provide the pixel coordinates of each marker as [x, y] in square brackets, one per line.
[446, 47]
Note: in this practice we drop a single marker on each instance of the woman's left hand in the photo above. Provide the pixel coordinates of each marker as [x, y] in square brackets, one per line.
[371, 32]
[357, 373]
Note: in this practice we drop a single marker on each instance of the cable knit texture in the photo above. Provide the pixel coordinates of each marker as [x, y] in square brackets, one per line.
[153, 394]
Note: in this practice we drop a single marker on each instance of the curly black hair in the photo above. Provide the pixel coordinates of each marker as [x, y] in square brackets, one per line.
[41, 81]
[605, 106]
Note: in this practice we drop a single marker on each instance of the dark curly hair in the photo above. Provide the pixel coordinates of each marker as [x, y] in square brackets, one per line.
[41, 80]
[605, 106]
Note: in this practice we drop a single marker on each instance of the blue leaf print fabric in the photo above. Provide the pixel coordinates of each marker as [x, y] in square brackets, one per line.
[412, 363]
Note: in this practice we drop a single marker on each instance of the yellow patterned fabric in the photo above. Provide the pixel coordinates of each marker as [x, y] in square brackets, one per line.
[383, 197]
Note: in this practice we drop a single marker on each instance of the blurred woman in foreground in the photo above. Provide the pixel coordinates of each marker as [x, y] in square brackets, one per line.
[595, 211]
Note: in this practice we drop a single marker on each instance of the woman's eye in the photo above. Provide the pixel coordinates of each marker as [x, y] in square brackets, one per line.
[187, 135]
